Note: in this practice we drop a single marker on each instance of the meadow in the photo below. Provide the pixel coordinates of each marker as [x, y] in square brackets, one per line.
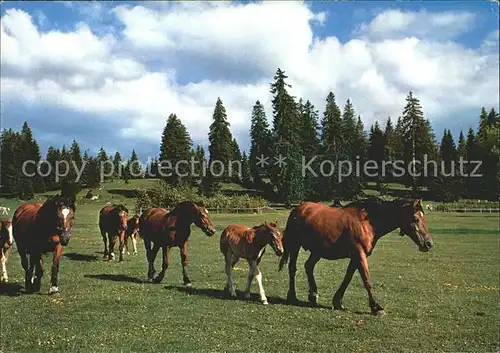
[445, 300]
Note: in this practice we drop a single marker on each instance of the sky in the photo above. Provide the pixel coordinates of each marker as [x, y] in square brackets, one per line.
[110, 73]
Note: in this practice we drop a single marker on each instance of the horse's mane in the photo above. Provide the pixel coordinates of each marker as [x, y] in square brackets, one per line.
[120, 208]
[58, 201]
[376, 204]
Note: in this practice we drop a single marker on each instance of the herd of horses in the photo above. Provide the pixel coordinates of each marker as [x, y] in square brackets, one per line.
[327, 232]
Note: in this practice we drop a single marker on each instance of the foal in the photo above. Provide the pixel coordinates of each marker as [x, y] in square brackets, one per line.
[238, 241]
[6, 241]
[132, 232]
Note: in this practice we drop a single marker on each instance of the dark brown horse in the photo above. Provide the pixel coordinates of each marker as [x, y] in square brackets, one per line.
[6, 241]
[238, 241]
[132, 233]
[348, 232]
[113, 224]
[160, 228]
[39, 229]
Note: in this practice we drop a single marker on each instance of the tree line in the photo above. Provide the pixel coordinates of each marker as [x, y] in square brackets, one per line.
[298, 136]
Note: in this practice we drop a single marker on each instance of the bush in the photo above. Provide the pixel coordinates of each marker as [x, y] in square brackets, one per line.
[167, 196]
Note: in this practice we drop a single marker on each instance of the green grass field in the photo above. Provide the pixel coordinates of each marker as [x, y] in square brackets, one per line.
[444, 300]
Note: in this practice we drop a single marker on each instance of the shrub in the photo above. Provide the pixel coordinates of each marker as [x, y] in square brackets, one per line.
[167, 196]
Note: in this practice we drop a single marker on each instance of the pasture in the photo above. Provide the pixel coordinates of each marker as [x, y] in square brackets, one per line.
[443, 300]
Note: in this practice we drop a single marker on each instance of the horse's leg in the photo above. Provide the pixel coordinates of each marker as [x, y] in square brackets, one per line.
[27, 276]
[339, 294]
[367, 281]
[126, 244]
[309, 267]
[258, 277]
[111, 251]
[165, 252]
[56, 259]
[134, 243]
[122, 236]
[230, 262]
[30, 274]
[3, 260]
[251, 274]
[184, 262]
[292, 270]
[105, 241]
[151, 256]
[37, 283]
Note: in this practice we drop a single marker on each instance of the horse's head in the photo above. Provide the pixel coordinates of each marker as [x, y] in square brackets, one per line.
[413, 224]
[121, 214]
[64, 208]
[202, 220]
[6, 232]
[133, 224]
[274, 237]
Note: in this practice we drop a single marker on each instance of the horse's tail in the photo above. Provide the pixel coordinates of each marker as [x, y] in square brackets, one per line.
[286, 238]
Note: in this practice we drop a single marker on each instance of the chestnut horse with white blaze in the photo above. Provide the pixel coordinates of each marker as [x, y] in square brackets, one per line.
[350, 232]
[238, 241]
[160, 228]
[113, 223]
[39, 229]
[132, 233]
[6, 241]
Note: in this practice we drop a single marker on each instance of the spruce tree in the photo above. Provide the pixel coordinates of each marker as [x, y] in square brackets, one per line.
[462, 147]
[260, 143]
[221, 147]
[31, 152]
[102, 161]
[246, 175]
[310, 147]
[332, 148]
[175, 147]
[286, 147]
[377, 151]
[135, 168]
[350, 186]
[418, 141]
[11, 149]
[117, 165]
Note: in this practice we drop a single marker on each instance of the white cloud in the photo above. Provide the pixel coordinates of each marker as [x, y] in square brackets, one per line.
[400, 24]
[110, 77]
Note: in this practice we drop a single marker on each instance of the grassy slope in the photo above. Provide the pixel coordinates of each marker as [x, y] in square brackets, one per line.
[444, 300]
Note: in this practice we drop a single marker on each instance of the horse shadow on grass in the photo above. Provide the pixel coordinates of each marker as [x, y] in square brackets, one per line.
[10, 289]
[80, 257]
[222, 294]
[115, 278]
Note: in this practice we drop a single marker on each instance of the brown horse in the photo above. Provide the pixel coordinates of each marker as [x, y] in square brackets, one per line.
[348, 232]
[238, 241]
[113, 223]
[6, 241]
[132, 233]
[160, 228]
[39, 229]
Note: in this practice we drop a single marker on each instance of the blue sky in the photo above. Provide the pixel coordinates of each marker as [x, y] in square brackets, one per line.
[109, 73]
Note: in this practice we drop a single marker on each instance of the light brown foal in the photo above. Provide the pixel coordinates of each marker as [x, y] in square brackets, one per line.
[238, 241]
[6, 241]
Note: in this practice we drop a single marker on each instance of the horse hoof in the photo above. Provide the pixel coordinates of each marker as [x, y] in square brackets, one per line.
[264, 301]
[53, 290]
[379, 313]
[157, 280]
[135, 253]
[313, 299]
[150, 280]
[291, 299]
[245, 295]
[189, 284]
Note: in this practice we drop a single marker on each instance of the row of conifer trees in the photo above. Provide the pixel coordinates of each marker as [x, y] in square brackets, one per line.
[297, 134]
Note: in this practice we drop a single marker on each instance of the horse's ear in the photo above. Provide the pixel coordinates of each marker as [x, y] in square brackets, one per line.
[417, 204]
